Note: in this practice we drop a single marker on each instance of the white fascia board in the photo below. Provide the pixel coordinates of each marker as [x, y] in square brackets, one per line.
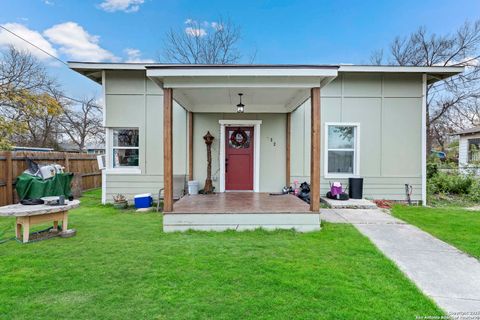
[232, 72]
[238, 82]
[402, 69]
[106, 66]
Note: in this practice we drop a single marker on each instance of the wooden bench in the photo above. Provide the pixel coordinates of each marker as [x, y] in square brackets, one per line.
[28, 215]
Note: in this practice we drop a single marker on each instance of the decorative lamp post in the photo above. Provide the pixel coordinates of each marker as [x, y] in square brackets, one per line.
[208, 189]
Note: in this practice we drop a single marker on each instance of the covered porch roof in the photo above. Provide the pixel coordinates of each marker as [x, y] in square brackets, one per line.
[265, 88]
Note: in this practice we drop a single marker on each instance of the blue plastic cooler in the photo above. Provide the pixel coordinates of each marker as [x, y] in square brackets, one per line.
[143, 200]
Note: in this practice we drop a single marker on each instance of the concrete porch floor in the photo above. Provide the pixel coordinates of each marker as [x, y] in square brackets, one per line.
[240, 211]
[240, 202]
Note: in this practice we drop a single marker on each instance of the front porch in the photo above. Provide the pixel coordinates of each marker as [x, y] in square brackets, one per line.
[241, 211]
[258, 159]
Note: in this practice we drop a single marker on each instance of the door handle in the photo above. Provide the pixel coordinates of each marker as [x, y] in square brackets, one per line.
[226, 164]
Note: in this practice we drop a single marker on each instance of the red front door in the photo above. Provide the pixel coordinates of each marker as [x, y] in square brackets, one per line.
[239, 158]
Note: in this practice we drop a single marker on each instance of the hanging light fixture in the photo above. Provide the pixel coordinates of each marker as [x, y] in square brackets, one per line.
[240, 106]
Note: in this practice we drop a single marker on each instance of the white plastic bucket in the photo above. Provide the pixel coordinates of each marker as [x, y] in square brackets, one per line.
[193, 187]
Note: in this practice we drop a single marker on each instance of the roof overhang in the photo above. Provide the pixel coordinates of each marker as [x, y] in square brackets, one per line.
[93, 70]
[434, 74]
[266, 87]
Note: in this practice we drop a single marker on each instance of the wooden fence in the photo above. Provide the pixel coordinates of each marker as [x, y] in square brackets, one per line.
[12, 164]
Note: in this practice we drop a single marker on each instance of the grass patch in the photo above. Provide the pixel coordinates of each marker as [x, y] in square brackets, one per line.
[456, 226]
[450, 200]
[121, 266]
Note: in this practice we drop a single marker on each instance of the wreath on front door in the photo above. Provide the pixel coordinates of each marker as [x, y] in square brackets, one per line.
[234, 138]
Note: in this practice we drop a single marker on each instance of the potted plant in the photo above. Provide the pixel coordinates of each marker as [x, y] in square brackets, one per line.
[119, 201]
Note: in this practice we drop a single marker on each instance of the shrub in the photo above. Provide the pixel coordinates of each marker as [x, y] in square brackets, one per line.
[452, 183]
[432, 169]
[474, 194]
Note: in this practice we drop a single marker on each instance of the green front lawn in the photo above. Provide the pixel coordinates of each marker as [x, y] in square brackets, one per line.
[121, 266]
[456, 226]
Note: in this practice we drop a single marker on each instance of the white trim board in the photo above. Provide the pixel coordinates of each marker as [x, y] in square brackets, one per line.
[424, 139]
[256, 149]
[242, 72]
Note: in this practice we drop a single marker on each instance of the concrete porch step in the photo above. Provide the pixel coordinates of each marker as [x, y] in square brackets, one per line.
[301, 222]
[349, 204]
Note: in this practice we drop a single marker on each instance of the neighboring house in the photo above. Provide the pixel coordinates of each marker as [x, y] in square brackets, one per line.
[469, 147]
[95, 149]
[371, 120]
[36, 149]
[68, 147]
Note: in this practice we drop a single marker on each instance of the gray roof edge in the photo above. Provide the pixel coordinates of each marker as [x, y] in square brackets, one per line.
[467, 131]
[77, 65]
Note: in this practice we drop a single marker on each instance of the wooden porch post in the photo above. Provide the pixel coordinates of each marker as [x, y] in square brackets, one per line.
[9, 177]
[287, 150]
[190, 146]
[167, 149]
[315, 151]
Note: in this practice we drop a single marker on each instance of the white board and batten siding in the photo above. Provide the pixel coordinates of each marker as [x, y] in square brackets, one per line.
[134, 101]
[388, 109]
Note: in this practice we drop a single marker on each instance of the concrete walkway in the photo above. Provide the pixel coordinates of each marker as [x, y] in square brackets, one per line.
[448, 276]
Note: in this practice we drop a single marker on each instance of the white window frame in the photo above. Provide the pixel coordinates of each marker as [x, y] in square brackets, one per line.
[110, 163]
[356, 151]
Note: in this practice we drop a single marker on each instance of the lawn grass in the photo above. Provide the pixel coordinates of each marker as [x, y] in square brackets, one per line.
[457, 226]
[122, 266]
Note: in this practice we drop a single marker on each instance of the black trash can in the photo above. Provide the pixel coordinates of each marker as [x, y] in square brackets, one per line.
[355, 188]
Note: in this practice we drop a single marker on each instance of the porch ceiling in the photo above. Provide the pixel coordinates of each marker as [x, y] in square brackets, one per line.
[256, 100]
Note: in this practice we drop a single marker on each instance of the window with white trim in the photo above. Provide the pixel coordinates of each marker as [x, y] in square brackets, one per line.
[125, 147]
[342, 149]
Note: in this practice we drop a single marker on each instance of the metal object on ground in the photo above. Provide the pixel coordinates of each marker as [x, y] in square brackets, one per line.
[408, 193]
[68, 233]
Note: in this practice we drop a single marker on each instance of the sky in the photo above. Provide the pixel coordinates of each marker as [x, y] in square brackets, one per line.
[279, 31]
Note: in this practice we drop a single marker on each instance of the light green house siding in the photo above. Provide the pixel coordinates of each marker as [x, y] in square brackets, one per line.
[389, 111]
[388, 108]
[134, 101]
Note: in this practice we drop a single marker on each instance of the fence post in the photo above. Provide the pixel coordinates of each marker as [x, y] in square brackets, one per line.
[67, 162]
[9, 175]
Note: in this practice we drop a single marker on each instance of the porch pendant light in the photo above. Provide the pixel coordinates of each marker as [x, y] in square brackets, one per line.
[240, 106]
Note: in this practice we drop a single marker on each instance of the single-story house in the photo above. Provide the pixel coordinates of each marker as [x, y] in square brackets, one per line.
[35, 149]
[469, 147]
[315, 123]
[95, 148]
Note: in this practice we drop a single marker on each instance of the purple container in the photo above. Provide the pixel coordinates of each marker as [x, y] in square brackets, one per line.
[336, 189]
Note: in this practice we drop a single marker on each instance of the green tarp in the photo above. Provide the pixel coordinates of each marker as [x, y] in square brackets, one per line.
[30, 187]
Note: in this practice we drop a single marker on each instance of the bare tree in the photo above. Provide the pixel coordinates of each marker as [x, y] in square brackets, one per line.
[377, 56]
[19, 70]
[27, 108]
[82, 123]
[422, 48]
[203, 43]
